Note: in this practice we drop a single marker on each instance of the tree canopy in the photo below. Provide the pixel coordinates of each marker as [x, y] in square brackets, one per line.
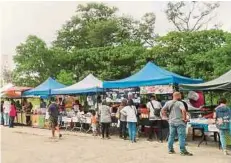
[97, 25]
[96, 40]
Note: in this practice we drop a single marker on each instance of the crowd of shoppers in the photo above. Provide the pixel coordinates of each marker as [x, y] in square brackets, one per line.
[174, 112]
[8, 112]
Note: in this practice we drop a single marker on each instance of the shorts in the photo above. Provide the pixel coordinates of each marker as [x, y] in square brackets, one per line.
[53, 122]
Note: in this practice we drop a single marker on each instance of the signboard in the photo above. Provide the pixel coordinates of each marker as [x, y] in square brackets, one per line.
[117, 95]
[160, 89]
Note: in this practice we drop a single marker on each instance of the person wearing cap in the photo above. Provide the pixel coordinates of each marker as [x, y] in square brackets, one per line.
[177, 123]
[154, 107]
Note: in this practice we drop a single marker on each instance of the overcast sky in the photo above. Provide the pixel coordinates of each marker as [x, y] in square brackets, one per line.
[20, 19]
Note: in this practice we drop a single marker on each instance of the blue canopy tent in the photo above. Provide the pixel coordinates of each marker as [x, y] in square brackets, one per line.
[44, 89]
[150, 75]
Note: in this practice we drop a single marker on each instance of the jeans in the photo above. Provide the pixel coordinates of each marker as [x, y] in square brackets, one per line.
[105, 129]
[123, 129]
[2, 119]
[132, 131]
[181, 131]
[6, 119]
[11, 122]
[223, 138]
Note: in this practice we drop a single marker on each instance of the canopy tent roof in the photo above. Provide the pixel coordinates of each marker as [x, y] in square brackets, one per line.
[221, 83]
[10, 94]
[7, 86]
[12, 91]
[89, 84]
[44, 89]
[17, 89]
[149, 75]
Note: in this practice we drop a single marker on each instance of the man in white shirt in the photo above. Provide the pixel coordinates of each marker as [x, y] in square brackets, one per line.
[154, 107]
[6, 111]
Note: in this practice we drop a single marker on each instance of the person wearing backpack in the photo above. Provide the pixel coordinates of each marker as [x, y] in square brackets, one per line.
[154, 107]
[223, 117]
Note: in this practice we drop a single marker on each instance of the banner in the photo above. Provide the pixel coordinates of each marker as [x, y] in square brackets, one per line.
[117, 95]
[160, 89]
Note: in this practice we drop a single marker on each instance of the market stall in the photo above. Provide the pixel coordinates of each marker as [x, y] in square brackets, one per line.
[206, 126]
[37, 118]
[158, 80]
[15, 92]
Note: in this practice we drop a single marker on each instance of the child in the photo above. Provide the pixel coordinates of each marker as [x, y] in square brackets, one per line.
[12, 115]
[94, 123]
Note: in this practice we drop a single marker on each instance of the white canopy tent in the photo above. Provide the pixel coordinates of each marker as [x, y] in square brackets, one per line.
[89, 84]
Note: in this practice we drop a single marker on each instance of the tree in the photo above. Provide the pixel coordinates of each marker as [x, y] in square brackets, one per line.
[7, 75]
[108, 63]
[197, 54]
[92, 25]
[190, 16]
[146, 29]
[97, 25]
[33, 62]
[65, 77]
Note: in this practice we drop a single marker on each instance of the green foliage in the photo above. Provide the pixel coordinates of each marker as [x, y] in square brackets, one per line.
[33, 62]
[66, 78]
[98, 41]
[193, 53]
[97, 25]
[107, 63]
